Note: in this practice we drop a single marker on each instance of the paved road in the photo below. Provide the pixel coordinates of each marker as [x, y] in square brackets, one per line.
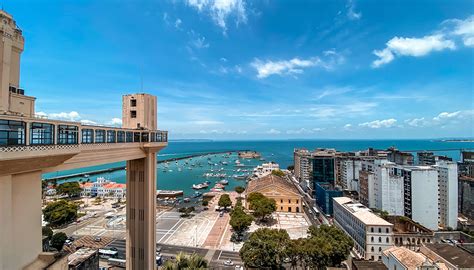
[215, 257]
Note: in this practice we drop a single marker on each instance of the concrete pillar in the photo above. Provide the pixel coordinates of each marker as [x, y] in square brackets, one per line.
[20, 216]
[141, 213]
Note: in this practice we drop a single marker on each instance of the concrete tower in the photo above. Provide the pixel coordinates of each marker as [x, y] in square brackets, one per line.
[139, 111]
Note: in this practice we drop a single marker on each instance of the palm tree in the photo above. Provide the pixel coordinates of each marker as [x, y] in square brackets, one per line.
[186, 261]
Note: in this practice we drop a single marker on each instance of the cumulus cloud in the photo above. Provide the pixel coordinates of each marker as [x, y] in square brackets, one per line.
[293, 66]
[451, 34]
[221, 10]
[417, 122]
[387, 123]
[68, 116]
[347, 126]
[273, 131]
[400, 46]
[88, 122]
[116, 121]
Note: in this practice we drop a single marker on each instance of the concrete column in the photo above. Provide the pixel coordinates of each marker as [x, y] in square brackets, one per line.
[141, 213]
[20, 215]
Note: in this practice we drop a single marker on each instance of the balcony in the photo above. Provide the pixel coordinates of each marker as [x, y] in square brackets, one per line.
[31, 142]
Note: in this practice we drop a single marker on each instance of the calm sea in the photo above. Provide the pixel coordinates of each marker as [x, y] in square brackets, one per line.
[181, 175]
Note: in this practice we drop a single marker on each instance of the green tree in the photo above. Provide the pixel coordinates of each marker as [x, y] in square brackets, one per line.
[71, 189]
[278, 173]
[239, 220]
[58, 240]
[47, 231]
[262, 206]
[205, 203]
[330, 245]
[60, 212]
[186, 261]
[265, 248]
[224, 201]
[239, 189]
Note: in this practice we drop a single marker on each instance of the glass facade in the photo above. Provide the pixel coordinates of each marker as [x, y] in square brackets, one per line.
[87, 135]
[129, 136]
[323, 169]
[136, 136]
[110, 136]
[99, 136]
[67, 134]
[145, 136]
[12, 132]
[120, 136]
[41, 133]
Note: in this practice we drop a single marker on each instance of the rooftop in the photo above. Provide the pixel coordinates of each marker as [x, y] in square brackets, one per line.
[81, 255]
[270, 180]
[408, 258]
[361, 212]
[452, 254]
[368, 265]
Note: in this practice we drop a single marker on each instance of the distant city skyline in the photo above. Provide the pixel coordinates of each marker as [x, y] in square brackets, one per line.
[236, 69]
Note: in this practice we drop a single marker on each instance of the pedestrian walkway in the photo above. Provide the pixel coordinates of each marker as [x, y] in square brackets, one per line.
[214, 238]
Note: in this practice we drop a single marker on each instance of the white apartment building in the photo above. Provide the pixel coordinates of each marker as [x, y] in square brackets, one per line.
[104, 188]
[350, 173]
[370, 233]
[302, 165]
[448, 193]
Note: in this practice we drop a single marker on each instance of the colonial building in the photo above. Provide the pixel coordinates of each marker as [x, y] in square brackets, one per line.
[286, 196]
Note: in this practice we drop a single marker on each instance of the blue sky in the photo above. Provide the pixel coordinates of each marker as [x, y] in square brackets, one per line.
[236, 69]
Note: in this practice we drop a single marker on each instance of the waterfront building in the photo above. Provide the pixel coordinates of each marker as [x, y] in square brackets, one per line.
[31, 145]
[265, 169]
[285, 194]
[104, 188]
[466, 165]
[370, 233]
[429, 158]
[325, 192]
[399, 157]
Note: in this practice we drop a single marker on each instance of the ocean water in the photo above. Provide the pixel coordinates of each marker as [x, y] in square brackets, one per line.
[179, 176]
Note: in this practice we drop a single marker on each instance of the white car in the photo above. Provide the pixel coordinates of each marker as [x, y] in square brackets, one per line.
[229, 263]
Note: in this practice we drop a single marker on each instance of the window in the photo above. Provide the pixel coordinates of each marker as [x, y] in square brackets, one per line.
[144, 136]
[136, 136]
[380, 249]
[110, 136]
[387, 239]
[120, 136]
[87, 135]
[387, 230]
[152, 137]
[133, 103]
[99, 136]
[372, 249]
[133, 114]
[372, 258]
[380, 239]
[41, 133]
[281, 201]
[372, 239]
[380, 230]
[67, 134]
[289, 201]
[371, 229]
[281, 208]
[12, 132]
[297, 201]
[129, 136]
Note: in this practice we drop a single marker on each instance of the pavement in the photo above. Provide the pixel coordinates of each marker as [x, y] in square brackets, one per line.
[214, 256]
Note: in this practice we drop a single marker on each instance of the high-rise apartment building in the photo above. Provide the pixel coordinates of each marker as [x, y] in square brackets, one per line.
[448, 193]
[399, 157]
[466, 196]
[466, 165]
[429, 158]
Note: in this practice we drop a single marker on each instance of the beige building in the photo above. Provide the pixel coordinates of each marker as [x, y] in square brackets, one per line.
[286, 196]
[32, 145]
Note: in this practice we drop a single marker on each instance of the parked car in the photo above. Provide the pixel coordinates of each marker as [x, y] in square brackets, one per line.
[228, 263]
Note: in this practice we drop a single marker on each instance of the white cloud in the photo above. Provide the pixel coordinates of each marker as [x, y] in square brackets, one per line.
[347, 126]
[387, 123]
[88, 122]
[447, 115]
[178, 23]
[69, 116]
[207, 122]
[199, 42]
[221, 10]
[223, 59]
[416, 47]
[351, 13]
[273, 131]
[293, 66]
[116, 121]
[417, 122]
[464, 29]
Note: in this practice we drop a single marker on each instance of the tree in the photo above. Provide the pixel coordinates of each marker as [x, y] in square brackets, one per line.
[333, 246]
[71, 189]
[262, 206]
[239, 189]
[205, 203]
[239, 220]
[58, 240]
[47, 231]
[265, 248]
[278, 173]
[60, 212]
[186, 261]
[290, 167]
[224, 201]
